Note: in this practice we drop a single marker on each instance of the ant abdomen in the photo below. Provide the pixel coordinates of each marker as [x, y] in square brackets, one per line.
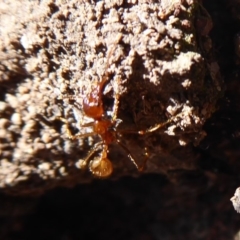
[101, 167]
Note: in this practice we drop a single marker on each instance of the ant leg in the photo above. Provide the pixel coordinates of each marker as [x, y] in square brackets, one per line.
[140, 169]
[67, 96]
[70, 135]
[84, 162]
[151, 129]
[90, 124]
[158, 126]
[105, 76]
[119, 36]
[116, 103]
[128, 154]
[145, 160]
[142, 132]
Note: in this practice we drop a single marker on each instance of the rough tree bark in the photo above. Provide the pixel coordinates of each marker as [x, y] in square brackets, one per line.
[165, 63]
[162, 65]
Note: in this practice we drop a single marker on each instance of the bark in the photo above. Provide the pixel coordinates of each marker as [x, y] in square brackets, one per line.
[167, 63]
[155, 58]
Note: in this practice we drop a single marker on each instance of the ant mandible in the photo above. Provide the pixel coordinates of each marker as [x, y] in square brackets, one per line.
[105, 128]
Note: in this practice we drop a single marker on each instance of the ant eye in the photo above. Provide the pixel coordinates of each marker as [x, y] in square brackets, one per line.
[101, 167]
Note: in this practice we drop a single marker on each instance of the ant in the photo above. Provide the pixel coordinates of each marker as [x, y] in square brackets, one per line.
[105, 128]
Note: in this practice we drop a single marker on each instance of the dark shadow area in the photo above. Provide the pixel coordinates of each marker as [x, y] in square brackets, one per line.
[146, 208]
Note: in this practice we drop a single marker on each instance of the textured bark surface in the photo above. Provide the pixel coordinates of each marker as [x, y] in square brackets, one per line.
[165, 62]
[54, 52]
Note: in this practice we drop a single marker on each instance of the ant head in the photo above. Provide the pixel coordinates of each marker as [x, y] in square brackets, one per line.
[101, 167]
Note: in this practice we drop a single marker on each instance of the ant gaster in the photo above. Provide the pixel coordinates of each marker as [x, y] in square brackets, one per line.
[105, 128]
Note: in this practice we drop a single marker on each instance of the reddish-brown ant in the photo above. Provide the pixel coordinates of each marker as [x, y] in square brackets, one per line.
[105, 128]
